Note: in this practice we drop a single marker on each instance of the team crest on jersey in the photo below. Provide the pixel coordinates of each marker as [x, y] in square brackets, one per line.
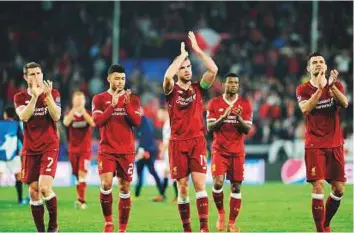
[221, 109]
[23, 173]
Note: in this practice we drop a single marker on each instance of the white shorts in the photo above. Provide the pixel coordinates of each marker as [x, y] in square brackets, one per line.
[11, 167]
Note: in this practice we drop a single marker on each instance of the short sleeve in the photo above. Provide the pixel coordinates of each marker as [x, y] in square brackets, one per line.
[247, 113]
[211, 113]
[301, 94]
[19, 100]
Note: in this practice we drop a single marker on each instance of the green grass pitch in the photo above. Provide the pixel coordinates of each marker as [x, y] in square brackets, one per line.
[271, 207]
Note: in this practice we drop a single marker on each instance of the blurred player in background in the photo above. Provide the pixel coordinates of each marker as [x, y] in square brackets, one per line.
[39, 108]
[320, 101]
[115, 112]
[229, 118]
[187, 146]
[14, 165]
[146, 155]
[79, 123]
[166, 133]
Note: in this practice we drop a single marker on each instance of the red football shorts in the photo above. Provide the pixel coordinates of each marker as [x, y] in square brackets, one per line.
[33, 166]
[121, 165]
[186, 156]
[79, 162]
[232, 165]
[325, 164]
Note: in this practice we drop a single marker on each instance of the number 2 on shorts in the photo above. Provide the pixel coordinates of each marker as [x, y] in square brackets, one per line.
[48, 169]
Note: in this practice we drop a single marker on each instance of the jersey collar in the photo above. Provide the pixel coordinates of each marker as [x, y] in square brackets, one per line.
[228, 102]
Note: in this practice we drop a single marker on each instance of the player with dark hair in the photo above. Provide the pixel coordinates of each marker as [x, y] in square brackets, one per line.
[187, 147]
[320, 100]
[79, 122]
[115, 112]
[39, 108]
[229, 117]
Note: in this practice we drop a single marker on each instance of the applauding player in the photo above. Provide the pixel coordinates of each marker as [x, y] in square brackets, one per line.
[229, 118]
[115, 112]
[187, 147]
[79, 123]
[320, 101]
[39, 108]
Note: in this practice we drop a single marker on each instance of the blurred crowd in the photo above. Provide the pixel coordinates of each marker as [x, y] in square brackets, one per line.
[267, 44]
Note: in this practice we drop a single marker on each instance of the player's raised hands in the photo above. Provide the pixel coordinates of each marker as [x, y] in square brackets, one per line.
[333, 77]
[47, 87]
[184, 53]
[237, 111]
[227, 112]
[35, 89]
[127, 96]
[80, 110]
[194, 42]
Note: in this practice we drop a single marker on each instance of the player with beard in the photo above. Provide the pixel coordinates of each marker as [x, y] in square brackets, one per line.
[187, 146]
[229, 117]
[39, 108]
[115, 112]
[320, 101]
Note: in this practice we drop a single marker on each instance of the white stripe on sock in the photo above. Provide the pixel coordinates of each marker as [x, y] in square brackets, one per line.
[105, 192]
[334, 197]
[81, 180]
[317, 196]
[124, 195]
[36, 203]
[236, 195]
[181, 200]
[217, 191]
[201, 194]
[49, 197]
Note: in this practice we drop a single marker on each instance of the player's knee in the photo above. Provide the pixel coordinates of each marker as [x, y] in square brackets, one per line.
[199, 186]
[18, 176]
[338, 190]
[45, 190]
[218, 184]
[106, 185]
[236, 188]
[183, 190]
[124, 189]
[34, 194]
[318, 186]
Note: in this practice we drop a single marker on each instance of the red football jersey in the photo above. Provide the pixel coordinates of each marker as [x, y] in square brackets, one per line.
[322, 123]
[79, 134]
[40, 131]
[115, 123]
[227, 139]
[185, 108]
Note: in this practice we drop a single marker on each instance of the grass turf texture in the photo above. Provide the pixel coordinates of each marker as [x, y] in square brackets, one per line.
[271, 207]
